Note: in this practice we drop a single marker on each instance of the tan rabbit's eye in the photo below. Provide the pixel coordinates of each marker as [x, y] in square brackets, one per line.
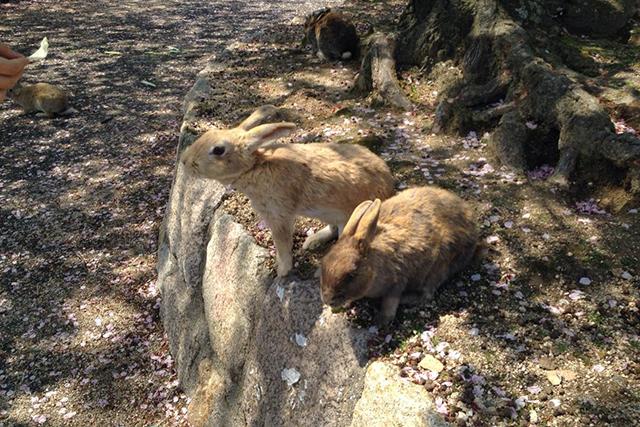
[218, 150]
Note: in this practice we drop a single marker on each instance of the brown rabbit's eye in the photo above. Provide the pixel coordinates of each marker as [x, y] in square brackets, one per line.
[218, 150]
[350, 277]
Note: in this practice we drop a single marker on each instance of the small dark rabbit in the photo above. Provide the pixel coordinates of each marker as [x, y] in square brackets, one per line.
[332, 35]
[401, 249]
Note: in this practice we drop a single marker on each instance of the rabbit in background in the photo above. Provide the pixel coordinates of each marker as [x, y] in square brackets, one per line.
[285, 180]
[42, 98]
[399, 250]
[332, 36]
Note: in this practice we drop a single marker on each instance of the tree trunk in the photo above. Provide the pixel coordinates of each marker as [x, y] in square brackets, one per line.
[514, 78]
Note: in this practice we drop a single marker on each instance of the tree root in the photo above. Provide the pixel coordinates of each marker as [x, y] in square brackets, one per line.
[378, 72]
[545, 110]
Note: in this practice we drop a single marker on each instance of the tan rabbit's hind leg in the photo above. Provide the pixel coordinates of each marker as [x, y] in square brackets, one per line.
[320, 237]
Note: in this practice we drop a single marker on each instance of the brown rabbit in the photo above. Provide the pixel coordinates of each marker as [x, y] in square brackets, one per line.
[283, 181]
[331, 35]
[43, 98]
[405, 247]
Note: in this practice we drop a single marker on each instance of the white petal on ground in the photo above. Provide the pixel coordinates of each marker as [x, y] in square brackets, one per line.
[454, 355]
[280, 292]
[534, 389]
[69, 415]
[585, 281]
[576, 294]
[290, 376]
[492, 239]
[301, 340]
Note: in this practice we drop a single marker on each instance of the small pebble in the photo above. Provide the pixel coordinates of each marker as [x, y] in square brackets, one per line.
[547, 363]
[554, 378]
[585, 281]
[430, 363]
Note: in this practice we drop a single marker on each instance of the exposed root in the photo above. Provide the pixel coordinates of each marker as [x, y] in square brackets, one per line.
[530, 95]
[378, 72]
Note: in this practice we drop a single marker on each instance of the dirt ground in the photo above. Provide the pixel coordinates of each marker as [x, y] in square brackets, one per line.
[81, 199]
[544, 331]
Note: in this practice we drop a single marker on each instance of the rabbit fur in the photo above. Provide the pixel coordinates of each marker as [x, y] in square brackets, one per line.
[401, 249]
[42, 98]
[283, 181]
[331, 35]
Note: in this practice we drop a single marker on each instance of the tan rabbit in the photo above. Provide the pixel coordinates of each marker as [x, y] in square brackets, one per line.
[331, 35]
[43, 98]
[283, 181]
[401, 249]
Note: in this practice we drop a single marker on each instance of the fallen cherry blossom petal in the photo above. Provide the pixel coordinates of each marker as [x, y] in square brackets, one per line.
[585, 281]
[290, 376]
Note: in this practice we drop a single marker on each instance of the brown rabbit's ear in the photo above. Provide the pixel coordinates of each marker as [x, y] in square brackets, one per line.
[258, 117]
[354, 219]
[368, 223]
[262, 134]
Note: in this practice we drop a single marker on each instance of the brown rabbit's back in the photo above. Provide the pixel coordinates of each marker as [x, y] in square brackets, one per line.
[424, 235]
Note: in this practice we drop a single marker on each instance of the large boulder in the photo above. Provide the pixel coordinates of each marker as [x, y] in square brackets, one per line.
[251, 350]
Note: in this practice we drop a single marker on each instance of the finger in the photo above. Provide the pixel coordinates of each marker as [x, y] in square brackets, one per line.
[9, 53]
[12, 67]
[8, 82]
[3, 95]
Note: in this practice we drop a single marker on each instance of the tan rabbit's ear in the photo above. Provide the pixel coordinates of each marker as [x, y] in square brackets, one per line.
[262, 134]
[368, 223]
[354, 219]
[258, 117]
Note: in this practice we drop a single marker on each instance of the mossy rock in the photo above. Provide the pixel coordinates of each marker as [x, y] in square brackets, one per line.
[578, 60]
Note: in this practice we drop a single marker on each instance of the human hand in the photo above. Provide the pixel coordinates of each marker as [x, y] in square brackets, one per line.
[11, 67]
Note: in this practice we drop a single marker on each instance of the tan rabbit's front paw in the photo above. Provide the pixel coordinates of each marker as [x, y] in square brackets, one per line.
[284, 268]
